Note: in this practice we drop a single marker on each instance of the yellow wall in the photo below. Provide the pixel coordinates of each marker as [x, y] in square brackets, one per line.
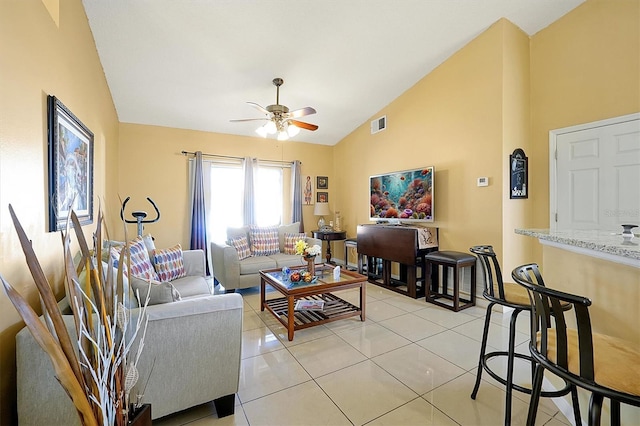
[464, 118]
[585, 67]
[451, 119]
[39, 57]
[516, 131]
[151, 165]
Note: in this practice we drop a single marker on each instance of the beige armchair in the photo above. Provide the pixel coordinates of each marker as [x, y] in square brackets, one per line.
[191, 356]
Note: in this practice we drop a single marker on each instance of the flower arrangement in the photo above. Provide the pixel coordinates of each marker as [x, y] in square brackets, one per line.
[100, 376]
[306, 251]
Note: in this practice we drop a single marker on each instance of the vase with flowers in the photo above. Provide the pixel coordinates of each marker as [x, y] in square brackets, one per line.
[308, 254]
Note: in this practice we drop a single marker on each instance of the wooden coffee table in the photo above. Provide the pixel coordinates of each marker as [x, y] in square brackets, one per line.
[335, 308]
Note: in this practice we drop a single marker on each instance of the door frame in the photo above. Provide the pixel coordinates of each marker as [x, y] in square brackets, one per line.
[553, 163]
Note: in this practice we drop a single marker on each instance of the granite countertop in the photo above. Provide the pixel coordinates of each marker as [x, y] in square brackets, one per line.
[600, 241]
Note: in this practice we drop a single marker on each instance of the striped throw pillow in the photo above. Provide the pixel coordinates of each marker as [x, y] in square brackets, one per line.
[264, 240]
[290, 242]
[169, 263]
[242, 247]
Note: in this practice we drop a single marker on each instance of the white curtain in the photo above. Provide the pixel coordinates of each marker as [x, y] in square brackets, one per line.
[249, 166]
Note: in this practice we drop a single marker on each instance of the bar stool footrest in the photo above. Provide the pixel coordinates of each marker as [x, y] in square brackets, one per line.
[547, 394]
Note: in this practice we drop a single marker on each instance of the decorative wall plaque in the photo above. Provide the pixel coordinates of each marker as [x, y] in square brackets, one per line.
[519, 174]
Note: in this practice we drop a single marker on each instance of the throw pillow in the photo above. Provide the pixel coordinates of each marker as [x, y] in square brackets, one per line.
[243, 231]
[264, 240]
[169, 263]
[114, 254]
[149, 244]
[158, 292]
[141, 266]
[242, 247]
[290, 242]
[291, 228]
[107, 245]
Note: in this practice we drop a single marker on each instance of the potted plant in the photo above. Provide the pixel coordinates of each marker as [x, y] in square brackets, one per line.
[99, 374]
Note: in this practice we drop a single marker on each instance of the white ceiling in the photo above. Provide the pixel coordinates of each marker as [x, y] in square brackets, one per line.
[193, 64]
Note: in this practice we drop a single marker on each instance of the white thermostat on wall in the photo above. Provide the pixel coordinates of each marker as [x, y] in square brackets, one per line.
[483, 181]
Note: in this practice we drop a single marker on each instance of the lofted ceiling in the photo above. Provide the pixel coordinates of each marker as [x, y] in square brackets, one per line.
[193, 64]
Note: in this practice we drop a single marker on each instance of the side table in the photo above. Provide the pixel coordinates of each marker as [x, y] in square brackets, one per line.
[329, 236]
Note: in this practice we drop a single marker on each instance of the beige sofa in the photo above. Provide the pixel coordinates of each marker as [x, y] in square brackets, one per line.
[191, 355]
[233, 273]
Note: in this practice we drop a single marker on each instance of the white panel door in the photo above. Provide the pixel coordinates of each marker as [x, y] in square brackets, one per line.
[597, 173]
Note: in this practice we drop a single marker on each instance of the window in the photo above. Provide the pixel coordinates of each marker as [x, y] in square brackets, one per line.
[227, 185]
[268, 191]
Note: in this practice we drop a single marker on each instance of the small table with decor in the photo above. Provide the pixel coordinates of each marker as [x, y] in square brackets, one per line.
[318, 290]
[328, 236]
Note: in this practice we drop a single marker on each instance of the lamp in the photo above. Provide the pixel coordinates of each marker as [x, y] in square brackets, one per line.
[321, 209]
[279, 126]
[262, 131]
[293, 130]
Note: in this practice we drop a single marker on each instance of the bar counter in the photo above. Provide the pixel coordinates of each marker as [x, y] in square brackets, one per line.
[601, 244]
[595, 264]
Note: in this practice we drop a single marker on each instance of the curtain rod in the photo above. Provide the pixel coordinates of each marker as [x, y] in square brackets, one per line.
[236, 158]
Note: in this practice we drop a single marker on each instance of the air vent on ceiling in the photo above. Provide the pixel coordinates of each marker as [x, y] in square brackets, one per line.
[379, 124]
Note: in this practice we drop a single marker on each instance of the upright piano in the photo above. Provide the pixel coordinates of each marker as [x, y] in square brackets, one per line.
[403, 244]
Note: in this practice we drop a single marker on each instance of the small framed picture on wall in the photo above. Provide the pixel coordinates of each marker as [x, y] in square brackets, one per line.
[322, 197]
[322, 182]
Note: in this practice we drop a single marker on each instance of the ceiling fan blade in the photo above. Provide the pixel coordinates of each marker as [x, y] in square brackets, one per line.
[249, 119]
[304, 125]
[259, 108]
[301, 112]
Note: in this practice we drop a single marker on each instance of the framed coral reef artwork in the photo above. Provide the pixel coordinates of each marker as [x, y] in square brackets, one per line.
[70, 149]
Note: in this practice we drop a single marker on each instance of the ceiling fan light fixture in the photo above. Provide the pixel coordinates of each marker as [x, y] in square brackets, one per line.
[271, 127]
[293, 130]
[280, 121]
[262, 131]
[283, 136]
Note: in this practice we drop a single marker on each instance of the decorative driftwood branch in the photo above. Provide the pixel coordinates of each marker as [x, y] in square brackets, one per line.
[99, 377]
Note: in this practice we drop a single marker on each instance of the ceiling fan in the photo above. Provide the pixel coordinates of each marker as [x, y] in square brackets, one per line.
[279, 119]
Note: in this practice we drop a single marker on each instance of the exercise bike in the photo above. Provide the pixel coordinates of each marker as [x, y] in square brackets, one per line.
[139, 215]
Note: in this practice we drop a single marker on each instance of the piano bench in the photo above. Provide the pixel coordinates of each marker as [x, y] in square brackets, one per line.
[438, 289]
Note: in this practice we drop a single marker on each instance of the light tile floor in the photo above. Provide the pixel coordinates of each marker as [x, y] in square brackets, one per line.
[409, 363]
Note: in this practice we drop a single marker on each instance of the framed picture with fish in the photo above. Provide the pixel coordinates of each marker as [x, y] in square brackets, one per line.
[406, 196]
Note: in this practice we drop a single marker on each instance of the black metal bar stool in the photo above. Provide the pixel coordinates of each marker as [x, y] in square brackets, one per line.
[457, 261]
[606, 366]
[512, 296]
